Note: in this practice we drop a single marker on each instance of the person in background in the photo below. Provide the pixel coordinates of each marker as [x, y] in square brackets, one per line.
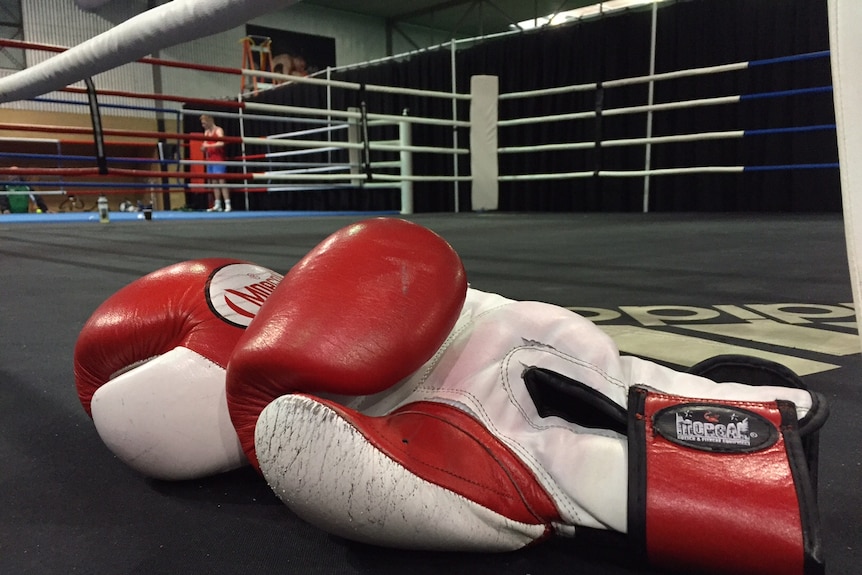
[20, 203]
[282, 64]
[213, 150]
[299, 66]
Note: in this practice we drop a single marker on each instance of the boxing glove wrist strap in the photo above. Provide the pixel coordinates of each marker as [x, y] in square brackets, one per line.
[720, 486]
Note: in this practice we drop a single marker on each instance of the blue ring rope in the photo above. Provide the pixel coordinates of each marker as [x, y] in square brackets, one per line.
[780, 167]
[794, 58]
[796, 92]
[764, 131]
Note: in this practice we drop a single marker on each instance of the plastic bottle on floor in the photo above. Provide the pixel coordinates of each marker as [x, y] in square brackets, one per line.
[104, 215]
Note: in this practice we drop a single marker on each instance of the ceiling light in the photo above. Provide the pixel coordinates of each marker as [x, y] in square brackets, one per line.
[581, 13]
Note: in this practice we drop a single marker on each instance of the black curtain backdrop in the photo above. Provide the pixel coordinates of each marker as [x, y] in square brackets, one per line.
[690, 34]
[697, 34]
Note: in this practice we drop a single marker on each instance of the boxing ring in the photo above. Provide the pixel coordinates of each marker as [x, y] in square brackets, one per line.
[648, 141]
[347, 137]
[287, 161]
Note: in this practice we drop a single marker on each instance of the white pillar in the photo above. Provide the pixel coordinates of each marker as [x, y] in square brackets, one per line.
[845, 17]
[484, 91]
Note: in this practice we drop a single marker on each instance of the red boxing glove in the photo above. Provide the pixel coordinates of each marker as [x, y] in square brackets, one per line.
[150, 365]
[363, 310]
[527, 423]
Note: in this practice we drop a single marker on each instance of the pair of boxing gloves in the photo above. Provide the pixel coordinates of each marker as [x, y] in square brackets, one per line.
[386, 402]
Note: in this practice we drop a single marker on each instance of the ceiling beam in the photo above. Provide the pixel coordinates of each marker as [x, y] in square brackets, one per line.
[431, 9]
[473, 5]
[511, 20]
[392, 26]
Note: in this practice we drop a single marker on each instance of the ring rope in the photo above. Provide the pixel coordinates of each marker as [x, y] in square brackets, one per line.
[301, 152]
[354, 115]
[35, 140]
[156, 97]
[316, 170]
[104, 105]
[701, 136]
[9, 43]
[682, 104]
[82, 158]
[246, 116]
[662, 76]
[354, 86]
[314, 173]
[621, 111]
[665, 172]
[91, 171]
[327, 129]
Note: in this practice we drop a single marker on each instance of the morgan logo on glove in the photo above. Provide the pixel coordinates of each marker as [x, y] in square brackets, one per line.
[235, 292]
[720, 428]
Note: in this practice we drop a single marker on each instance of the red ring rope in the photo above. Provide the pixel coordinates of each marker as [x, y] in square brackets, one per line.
[146, 60]
[160, 97]
[117, 132]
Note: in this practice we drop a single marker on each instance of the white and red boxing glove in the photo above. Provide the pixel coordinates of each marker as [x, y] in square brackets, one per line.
[150, 365]
[321, 327]
[526, 422]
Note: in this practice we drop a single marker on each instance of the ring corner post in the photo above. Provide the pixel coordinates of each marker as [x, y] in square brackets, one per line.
[406, 140]
[96, 118]
[846, 62]
[484, 166]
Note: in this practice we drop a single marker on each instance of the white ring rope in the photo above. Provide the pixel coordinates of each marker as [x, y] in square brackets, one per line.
[383, 120]
[163, 26]
[252, 163]
[320, 144]
[335, 167]
[30, 193]
[402, 178]
[354, 115]
[34, 140]
[624, 173]
[626, 142]
[358, 176]
[245, 116]
[315, 170]
[329, 129]
[329, 187]
[301, 152]
[376, 177]
[284, 143]
[682, 104]
[335, 127]
[627, 81]
[354, 86]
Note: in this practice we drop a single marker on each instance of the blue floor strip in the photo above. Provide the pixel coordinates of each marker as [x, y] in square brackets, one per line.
[174, 215]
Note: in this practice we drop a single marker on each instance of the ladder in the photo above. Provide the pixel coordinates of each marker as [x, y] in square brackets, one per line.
[256, 55]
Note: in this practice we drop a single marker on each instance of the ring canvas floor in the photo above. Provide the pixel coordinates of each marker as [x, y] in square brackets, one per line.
[683, 283]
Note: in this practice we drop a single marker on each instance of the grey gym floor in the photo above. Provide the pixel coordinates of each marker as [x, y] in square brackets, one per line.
[69, 507]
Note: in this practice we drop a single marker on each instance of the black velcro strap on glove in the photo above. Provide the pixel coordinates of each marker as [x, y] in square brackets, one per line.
[758, 371]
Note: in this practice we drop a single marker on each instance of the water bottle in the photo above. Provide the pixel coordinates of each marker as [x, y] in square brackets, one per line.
[103, 210]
